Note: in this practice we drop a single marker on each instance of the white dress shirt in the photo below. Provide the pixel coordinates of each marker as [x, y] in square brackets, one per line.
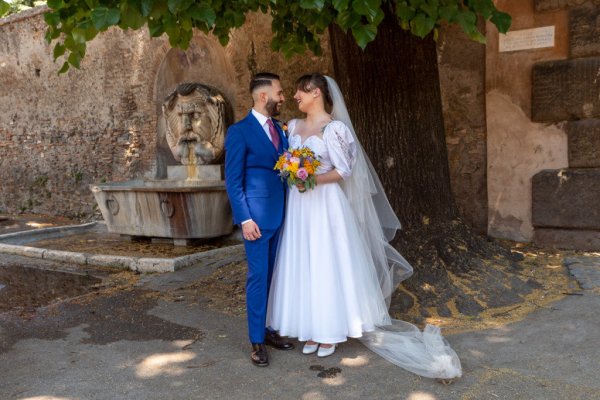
[262, 120]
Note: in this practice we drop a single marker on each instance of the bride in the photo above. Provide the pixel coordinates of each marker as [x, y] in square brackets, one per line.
[335, 271]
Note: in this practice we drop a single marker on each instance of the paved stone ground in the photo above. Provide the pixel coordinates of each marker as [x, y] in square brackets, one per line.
[139, 342]
[585, 269]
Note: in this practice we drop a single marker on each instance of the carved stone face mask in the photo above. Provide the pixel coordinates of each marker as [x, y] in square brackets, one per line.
[195, 119]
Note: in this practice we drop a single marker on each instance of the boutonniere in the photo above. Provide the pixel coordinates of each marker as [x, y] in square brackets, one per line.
[284, 127]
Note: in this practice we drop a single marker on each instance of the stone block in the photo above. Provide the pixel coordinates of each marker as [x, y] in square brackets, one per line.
[566, 90]
[584, 143]
[551, 5]
[567, 239]
[103, 260]
[22, 250]
[153, 265]
[68, 256]
[584, 31]
[567, 198]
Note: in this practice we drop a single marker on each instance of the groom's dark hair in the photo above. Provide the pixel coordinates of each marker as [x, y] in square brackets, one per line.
[262, 79]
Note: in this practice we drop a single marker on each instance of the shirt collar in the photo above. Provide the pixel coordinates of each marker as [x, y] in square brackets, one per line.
[262, 119]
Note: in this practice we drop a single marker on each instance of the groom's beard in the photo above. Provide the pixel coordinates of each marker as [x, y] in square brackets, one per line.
[273, 107]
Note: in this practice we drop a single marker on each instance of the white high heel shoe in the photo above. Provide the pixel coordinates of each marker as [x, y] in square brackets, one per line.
[326, 351]
[310, 348]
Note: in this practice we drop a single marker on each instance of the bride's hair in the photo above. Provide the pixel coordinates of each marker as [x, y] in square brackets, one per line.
[308, 82]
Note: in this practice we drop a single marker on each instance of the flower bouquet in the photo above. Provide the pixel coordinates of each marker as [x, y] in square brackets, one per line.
[298, 166]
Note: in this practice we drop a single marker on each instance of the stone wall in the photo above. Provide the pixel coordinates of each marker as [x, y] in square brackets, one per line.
[517, 147]
[60, 133]
[566, 210]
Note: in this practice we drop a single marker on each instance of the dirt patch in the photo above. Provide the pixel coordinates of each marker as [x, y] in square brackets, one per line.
[119, 313]
[27, 288]
[26, 222]
[115, 244]
[224, 291]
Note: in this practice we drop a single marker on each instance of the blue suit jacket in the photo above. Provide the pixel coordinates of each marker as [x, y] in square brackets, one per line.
[255, 190]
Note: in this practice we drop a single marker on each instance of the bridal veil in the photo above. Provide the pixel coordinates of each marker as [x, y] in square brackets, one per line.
[424, 353]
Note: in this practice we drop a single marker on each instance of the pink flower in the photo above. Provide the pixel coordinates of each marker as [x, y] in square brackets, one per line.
[302, 174]
[294, 160]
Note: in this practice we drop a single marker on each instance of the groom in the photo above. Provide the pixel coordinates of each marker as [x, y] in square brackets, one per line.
[257, 197]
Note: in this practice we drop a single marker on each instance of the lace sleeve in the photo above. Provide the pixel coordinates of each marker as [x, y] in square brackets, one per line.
[341, 147]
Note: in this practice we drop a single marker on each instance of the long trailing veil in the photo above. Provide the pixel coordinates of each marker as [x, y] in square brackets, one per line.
[424, 353]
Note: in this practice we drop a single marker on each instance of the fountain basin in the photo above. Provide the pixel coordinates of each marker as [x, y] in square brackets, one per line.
[183, 209]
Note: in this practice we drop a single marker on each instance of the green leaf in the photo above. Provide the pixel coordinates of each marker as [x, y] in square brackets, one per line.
[146, 7]
[78, 35]
[4, 7]
[421, 25]
[347, 19]
[448, 12]
[64, 68]
[430, 10]
[103, 17]
[56, 4]
[368, 8]
[155, 28]
[88, 29]
[341, 5]
[75, 60]
[203, 12]
[483, 7]
[502, 21]
[405, 12]
[59, 50]
[477, 36]
[363, 34]
[312, 4]
[132, 18]
[176, 6]
[467, 20]
[52, 18]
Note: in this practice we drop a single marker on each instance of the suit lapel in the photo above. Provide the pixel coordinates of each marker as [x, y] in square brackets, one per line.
[283, 143]
[261, 137]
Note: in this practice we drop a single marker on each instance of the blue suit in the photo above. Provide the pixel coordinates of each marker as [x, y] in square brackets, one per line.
[256, 192]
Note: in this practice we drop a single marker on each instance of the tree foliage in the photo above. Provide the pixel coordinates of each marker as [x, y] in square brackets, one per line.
[16, 6]
[297, 25]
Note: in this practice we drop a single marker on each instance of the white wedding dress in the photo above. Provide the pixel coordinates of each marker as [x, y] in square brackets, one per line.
[323, 288]
[335, 271]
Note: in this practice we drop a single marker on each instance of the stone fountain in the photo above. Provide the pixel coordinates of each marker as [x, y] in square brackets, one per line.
[191, 203]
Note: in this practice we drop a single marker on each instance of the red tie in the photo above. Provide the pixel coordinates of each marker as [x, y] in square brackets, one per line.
[273, 133]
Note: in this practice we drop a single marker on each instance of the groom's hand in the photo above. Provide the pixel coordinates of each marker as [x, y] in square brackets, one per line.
[251, 231]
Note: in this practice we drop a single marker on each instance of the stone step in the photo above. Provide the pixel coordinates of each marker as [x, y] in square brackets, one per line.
[566, 90]
[551, 5]
[584, 143]
[570, 239]
[567, 198]
[584, 28]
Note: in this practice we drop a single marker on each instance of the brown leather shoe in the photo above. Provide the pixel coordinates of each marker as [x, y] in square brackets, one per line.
[278, 342]
[259, 355]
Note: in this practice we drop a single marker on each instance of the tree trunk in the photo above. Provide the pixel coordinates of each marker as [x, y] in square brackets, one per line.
[393, 97]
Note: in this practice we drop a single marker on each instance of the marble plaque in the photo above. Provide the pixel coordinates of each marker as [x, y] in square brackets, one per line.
[526, 39]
